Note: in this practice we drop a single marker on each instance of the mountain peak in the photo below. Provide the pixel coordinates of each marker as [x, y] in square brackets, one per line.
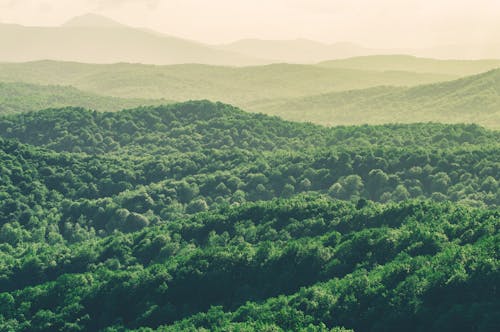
[92, 20]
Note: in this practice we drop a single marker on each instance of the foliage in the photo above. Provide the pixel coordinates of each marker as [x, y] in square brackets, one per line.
[22, 97]
[198, 216]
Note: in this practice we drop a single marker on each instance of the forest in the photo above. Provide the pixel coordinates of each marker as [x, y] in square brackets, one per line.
[362, 90]
[198, 216]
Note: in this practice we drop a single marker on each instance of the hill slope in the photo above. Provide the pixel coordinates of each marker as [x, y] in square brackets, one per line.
[414, 64]
[474, 99]
[258, 267]
[239, 86]
[174, 210]
[22, 97]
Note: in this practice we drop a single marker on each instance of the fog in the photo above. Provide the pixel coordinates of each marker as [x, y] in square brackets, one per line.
[380, 23]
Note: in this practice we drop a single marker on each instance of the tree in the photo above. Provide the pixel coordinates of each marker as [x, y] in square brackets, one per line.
[305, 184]
[186, 192]
[198, 205]
[135, 222]
[288, 190]
[400, 193]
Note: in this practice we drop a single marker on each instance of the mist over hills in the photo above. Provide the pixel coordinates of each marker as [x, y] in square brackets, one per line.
[351, 87]
[473, 99]
[240, 86]
[22, 97]
[309, 51]
[352, 91]
[296, 51]
[92, 20]
[223, 188]
[414, 64]
[94, 39]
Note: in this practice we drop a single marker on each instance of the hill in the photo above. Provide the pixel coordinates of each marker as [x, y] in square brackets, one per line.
[474, 99]
[256, 267]
[239, 86]
[414, 64]
[92, 20]
[184, 140]
[95, 39]
[22, 97]
[314, 93]
[309, 51]
[295, 51]
[200, 216]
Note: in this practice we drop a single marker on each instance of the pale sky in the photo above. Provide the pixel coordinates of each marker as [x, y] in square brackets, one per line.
[372, 23]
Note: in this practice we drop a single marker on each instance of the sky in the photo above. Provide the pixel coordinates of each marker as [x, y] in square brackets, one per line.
[371, 23]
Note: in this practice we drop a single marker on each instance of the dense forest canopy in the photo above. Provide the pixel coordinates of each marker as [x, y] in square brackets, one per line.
[200, 216]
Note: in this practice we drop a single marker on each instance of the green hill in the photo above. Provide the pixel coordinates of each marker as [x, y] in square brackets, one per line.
[474, 99]
[199, 216]
[239, 86]
[22, 97]
[318, 94]
[414, 64]
[256, 268]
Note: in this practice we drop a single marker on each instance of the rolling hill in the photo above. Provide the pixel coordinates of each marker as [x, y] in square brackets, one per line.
[96, 39]
[473, 99]
[240, 86]
[23, 97]
[414, 64]
[370, 90]
[201, 217]
[295, 51]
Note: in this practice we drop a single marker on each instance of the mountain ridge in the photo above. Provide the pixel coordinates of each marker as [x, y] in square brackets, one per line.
[92, 20]
[108, 43]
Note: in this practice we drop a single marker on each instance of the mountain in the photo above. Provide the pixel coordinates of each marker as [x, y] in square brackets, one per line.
[240, 86]
[95, 39]
[92, 20]
[461, 51]
[473, 99]
[22, 97]
[308, 51]
[414, 64]
[295, 51]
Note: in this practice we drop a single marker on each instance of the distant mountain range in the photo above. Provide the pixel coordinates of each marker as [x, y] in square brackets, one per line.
[97, 39]
[296, 51]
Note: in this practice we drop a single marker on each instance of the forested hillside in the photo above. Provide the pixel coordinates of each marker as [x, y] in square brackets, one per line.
[414, 64]
[23, 97]
[473, 99]
[238, 86]
[371, 90]
[199, 216]
[305, 263]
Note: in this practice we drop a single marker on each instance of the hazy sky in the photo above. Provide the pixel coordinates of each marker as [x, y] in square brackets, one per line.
[373, 23]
